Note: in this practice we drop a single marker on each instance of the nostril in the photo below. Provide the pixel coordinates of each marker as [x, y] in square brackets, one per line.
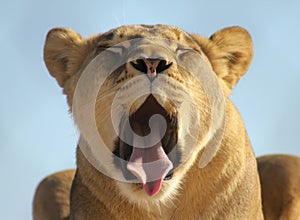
[140, 65]
[162, 65]
[151, 66]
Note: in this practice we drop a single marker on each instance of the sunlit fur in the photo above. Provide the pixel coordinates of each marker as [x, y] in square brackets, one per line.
[177, 91]
[227, 188]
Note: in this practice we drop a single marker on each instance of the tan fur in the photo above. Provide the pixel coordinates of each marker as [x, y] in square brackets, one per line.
[221, 49]
[227, 188]
[53, 196]
[280, 181]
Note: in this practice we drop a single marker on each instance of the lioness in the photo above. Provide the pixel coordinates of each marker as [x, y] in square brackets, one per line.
[159, 138]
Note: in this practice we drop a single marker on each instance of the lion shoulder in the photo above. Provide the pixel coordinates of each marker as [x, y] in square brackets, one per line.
[52, 197]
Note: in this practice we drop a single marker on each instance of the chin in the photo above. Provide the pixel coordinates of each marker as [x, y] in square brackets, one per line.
[136, 194]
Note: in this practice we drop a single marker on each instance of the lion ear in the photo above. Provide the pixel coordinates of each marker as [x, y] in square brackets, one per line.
[63, 53]
[230, 52]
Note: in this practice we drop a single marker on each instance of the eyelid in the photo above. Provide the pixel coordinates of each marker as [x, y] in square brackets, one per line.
[113, 48]
[101, 48]
[116, 49]
[183, 49]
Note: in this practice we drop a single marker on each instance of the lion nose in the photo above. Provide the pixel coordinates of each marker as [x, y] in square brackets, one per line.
[150, 66]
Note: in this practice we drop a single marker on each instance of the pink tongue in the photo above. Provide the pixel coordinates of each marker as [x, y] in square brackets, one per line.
[149, 164]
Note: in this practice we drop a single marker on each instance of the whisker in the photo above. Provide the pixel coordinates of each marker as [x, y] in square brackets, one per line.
[124, 17]
[101, 97]
[103, 115]
[117, 20]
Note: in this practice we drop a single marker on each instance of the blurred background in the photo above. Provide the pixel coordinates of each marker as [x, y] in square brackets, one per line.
[37, 136]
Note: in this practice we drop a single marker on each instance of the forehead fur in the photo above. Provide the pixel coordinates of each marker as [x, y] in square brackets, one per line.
[148, 31]
[128, 32]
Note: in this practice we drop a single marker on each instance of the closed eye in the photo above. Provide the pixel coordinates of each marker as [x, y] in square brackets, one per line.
[182, 52]
[117, 49]
[101, 48]
[114, 49]
[183, 49]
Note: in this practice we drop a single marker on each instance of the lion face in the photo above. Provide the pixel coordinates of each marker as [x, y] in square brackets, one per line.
[147, 99]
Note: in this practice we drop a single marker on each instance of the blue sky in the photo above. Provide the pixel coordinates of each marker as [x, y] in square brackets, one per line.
[37, 136]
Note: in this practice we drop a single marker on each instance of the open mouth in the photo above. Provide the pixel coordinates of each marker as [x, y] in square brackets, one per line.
[152, 163]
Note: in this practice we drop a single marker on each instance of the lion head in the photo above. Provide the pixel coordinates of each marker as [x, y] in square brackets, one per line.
[147, 99]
